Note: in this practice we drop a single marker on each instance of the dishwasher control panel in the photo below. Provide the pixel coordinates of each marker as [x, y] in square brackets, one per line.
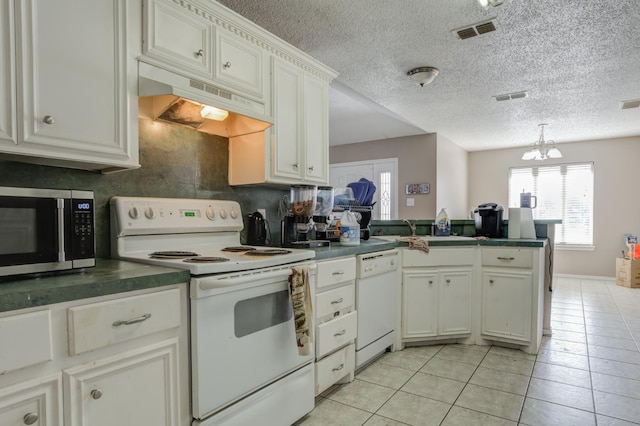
[376, 263]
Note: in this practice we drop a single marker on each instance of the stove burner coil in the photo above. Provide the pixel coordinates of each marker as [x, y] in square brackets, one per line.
[204, 259]
[268, 252]
[238, 249]
[174, 254]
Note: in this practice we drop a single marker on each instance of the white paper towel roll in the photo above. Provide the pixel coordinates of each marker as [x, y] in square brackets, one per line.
[513, 230]
[527, 228]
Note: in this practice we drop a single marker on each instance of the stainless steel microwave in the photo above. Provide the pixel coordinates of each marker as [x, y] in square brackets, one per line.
[44, 230]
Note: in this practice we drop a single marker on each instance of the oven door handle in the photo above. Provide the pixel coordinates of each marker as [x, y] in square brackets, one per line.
[249, 277]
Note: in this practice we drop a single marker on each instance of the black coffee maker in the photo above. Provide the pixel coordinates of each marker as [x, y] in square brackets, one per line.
[488, 218]
[256, 229]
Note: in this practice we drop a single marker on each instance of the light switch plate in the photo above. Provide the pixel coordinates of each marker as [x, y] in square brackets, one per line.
[411, 202]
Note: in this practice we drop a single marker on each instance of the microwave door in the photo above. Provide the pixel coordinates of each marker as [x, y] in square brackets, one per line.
[31, 231]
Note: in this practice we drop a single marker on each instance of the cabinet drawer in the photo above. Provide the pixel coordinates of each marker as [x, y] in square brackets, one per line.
[104, 323]
[438, 257]
[509, 257]
[333, 334]
[335, 300]
[26, 340]
[335, 367]
[336, 271]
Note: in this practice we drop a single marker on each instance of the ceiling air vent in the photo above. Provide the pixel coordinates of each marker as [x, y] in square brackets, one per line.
[630, 104]
[475, 29]
[510, 96]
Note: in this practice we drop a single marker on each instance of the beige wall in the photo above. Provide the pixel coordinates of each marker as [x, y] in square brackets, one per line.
[616, 197]
[416, 164]
[452, 179]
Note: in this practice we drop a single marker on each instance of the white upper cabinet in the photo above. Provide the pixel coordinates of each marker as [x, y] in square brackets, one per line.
[182, 41]
[239, 63]
[7, 75]
[76, 83]
[205, 43]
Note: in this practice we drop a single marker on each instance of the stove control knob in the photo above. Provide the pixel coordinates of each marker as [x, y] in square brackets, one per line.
[223, 214]
[234, 214]
[211, 213]
[133, 213]
[150, 213]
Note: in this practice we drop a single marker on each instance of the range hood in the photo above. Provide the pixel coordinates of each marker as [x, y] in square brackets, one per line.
[170, 97]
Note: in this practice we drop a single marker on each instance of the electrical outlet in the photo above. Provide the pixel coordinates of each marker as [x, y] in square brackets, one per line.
[263, 212]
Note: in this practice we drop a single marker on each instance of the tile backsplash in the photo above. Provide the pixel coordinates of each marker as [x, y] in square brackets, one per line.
[176, 162]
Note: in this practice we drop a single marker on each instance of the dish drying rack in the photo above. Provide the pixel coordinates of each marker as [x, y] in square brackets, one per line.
[363, 215]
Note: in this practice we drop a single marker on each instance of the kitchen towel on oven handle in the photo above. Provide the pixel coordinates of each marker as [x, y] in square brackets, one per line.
[300, 294]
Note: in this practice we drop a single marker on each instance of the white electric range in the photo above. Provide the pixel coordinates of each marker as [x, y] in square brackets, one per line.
[244, 357]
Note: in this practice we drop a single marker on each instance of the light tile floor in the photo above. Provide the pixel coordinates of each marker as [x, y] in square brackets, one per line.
[587, 373]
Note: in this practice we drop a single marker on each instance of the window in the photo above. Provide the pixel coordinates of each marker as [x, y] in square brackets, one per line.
[563, 191]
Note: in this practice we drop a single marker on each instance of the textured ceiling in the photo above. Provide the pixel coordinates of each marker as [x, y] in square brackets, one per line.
[577, 60]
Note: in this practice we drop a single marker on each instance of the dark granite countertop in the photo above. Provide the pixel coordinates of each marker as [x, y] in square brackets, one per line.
[107, 277]
[374, 244]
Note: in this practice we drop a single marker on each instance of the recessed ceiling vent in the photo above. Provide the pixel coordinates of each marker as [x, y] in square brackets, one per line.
[630, 104]
[475, 30]
[510, 96]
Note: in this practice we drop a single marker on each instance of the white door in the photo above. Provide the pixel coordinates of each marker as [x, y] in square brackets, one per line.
[383, 173]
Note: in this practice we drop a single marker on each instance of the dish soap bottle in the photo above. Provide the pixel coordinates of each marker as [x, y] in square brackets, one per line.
[443, 225]
[349, 229]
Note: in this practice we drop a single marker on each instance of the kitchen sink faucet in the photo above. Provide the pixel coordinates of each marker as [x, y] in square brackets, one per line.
[412, 226]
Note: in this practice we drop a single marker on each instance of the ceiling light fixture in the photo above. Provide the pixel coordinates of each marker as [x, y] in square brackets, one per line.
[486, 3]
[423, 75]
[541, 149]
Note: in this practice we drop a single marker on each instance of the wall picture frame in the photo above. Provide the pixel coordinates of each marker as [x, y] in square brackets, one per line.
[417, 188]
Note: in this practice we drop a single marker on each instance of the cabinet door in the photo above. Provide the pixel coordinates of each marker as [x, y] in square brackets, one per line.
[35, 403]
[455, 302]
[239, 64]
[134, 389]
[506, 304]
[177, 38]
[287, 92]
[75, 105]
[316, 130]
[419, 304]
[7, 74]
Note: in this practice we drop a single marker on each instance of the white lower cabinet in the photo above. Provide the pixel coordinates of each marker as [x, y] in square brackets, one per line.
[114, 360]
[35, 402]
[437, 297]
[336, 322]
[134, 388]
[506, 305]
[512, 296]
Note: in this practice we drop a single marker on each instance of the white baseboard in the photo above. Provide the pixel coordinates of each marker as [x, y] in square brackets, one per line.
[584, 277]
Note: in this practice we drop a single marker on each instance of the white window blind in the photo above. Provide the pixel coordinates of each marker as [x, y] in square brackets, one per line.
[564, 191]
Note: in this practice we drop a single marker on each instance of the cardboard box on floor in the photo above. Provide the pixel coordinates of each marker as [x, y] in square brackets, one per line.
[628, 272]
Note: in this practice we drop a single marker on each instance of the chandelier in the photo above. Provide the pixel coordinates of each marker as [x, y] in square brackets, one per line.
[541, 149]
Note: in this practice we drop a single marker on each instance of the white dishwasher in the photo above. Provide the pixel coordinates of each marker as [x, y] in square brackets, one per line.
[376, 303]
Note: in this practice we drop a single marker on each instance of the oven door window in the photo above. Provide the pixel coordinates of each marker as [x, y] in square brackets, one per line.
[28, 230]
[261, 312]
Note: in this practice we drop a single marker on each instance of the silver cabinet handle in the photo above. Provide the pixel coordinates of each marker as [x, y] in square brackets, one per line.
[48, 119]
[295, 166]
[430, 282]
[333, 302]
[448, 281]
[226, 65]
[337, 273]
[340, 333]
[30, 418]
[506, 258]
[200, 53]
[340, 367]
[310, 168]
[96, 393]
[491, 282]
[132, 320]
